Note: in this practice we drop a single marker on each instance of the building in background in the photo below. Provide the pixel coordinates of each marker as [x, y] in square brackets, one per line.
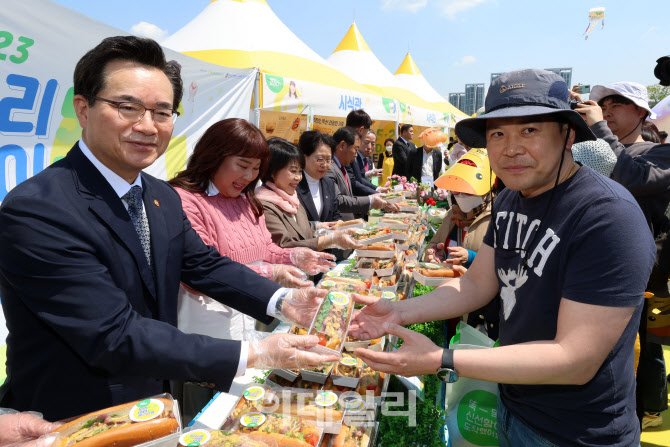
[474, 98]
[457, 100]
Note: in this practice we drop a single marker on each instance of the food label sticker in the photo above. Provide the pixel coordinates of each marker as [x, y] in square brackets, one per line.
[254, 393]
[355, 405]
[361, 231]
[326, 399]
[328, 283]
[429, 265]
[388, 295]
[333, 274]
[146, 410]
[253, 420]
[349, 361]
[194, 438]
[338, 298]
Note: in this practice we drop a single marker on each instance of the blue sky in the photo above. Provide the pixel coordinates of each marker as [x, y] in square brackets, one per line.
[453, 42]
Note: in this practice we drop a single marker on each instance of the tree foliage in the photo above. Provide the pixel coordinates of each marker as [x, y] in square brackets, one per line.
[656, 93]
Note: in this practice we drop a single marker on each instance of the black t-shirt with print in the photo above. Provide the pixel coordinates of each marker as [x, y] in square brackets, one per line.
[594, 247]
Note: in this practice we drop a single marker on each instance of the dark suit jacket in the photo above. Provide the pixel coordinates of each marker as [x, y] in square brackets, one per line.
[89, 325]
[330, 211]
[401, 152]
[360, 186]
[347, 202]
[415, 163]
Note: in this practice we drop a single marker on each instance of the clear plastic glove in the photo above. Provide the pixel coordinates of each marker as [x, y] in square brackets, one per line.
[299, 306]
[373, 173]
[376, 202]
[284, 275]
[383, 189]
[26, 430]
[285, 351]
[391, 207]
[342, 239]
[312, 262]
[327, 225]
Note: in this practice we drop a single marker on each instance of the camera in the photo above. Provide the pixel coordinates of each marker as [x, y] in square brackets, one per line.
[662, 70]
[573, 104]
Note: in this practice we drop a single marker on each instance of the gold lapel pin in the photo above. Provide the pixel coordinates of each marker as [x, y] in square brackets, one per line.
[156, 203]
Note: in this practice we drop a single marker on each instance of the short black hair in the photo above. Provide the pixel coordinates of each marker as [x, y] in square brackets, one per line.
[663, 134]
[346, 134]
[387, 140]
[282, 153]
[405, 128]
[89, 73]
[312, 139]
[358, 118]
[619, 99]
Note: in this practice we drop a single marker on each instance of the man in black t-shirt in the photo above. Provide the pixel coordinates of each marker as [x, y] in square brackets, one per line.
[571, 270]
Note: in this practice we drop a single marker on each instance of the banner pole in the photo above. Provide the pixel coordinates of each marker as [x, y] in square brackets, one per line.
[257, 99]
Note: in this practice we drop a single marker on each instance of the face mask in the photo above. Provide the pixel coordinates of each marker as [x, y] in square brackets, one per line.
[389, 149]
[468, 202]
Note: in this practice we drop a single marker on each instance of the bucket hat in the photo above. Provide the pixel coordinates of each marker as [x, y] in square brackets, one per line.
[630, 90]
[521, 93]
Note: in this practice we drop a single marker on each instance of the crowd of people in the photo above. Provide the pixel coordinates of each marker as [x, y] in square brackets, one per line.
[117, 286]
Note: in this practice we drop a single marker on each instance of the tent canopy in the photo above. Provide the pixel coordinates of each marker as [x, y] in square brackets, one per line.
[248, 34]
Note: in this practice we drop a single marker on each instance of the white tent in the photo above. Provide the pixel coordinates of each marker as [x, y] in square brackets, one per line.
[248, 34]
[409, 76]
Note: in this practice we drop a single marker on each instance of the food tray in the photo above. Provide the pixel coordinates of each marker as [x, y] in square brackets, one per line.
[429, 281]
[276, 382]
[388, 271]
[372, 240]
[368, 272]
[365, 433]
[252, 422]
[315, 376]
[347, 361]
[336, 305]
[384, 254]
[393, 197]
[356, 223]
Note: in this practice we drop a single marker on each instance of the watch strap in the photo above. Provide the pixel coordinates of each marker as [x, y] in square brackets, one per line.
[448, 358]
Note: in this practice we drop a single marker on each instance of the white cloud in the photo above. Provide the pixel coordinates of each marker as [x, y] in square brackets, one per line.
[404, 5]
[144, 29]
[452, 7]
[466, 60]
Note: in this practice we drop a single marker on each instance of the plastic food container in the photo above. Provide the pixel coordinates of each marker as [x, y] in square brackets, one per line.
[347, 372]
[372, 235]
[317, 375]
[331, 322]
[428, 280]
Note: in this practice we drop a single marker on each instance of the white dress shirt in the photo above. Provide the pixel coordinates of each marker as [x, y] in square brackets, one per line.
[427, 166]
[315, 190]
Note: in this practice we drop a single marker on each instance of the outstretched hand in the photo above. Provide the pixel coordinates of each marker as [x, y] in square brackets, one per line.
[368, 323]
[417, 356]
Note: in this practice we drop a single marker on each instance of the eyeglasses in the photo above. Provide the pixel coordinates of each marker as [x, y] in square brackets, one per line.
[134, 112]
[323, 161]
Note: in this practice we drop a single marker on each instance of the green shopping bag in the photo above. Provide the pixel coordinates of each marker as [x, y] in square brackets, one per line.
[472, 405]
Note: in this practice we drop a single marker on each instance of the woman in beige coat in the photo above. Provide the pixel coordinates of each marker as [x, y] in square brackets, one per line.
[285, 218]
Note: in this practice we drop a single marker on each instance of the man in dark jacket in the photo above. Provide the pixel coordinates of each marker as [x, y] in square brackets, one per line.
[616, 113]
[401, 150]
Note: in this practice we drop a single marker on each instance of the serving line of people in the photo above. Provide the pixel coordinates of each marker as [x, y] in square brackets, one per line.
[93, 253]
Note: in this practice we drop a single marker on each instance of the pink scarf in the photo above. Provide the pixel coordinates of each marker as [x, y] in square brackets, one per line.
[270, 193]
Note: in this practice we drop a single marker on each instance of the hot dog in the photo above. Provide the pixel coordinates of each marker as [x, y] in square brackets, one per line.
[349, 222]
[440, 273]
[114, 426]
[284, 430]
[351, 437]
[382, 247]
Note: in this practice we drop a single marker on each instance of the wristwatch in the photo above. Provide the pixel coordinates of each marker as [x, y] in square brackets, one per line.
[447, 373]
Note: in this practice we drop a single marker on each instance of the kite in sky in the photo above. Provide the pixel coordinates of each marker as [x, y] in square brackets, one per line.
[595, 14]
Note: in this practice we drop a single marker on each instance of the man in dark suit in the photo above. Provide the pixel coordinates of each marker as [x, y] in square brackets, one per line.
[401, 150]
[424, 162]
[362, 167]
[92, 252]
[347, 142]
